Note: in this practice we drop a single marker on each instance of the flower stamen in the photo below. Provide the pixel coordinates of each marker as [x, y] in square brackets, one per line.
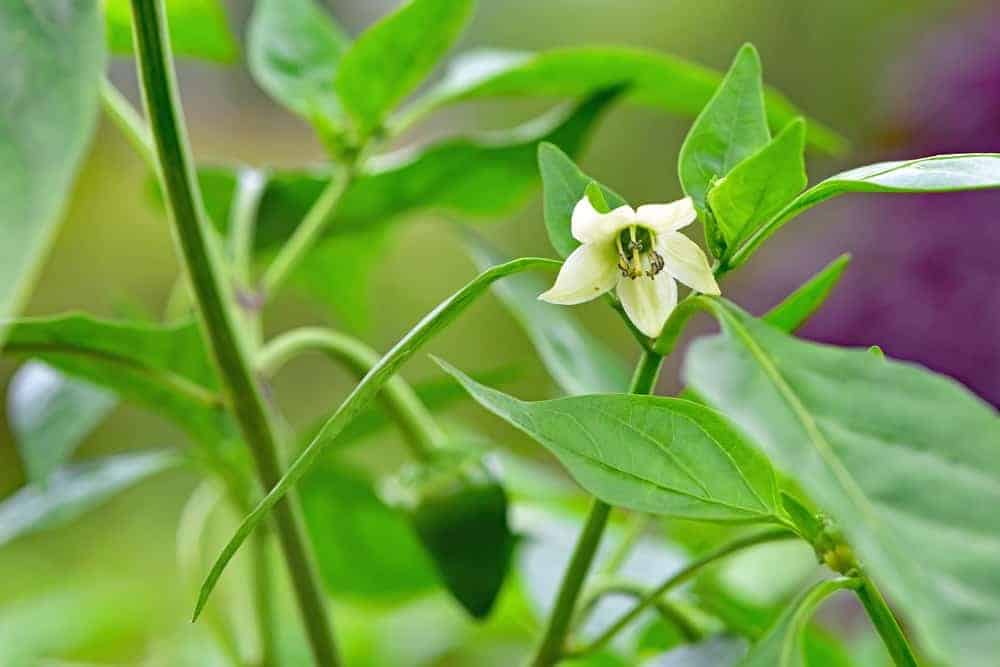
[636, 257]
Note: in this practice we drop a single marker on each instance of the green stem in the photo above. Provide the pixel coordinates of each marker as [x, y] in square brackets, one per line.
[551, 647]
[128, 121]
[678, 578]
[411, 415]
[250, 185]
[307, 233]
[191, 232]
[886, 624]
[633, 532]
[264, 599]
[667, 610]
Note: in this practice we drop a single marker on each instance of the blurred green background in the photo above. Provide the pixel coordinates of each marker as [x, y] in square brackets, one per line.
[106, 588]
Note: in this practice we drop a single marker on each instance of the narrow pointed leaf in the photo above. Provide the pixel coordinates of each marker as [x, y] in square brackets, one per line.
[647, 453]
[50, 414]
[74, 489]
[759, 186]
[53, 59]
[362, 396]
[937, 173]
[293, 49]
[564, 185]
[654, 79]
[905, 461]
[796, 308]
[783, 645]
[198, 29]
[391, 58]
[730, 128]
[577, 361]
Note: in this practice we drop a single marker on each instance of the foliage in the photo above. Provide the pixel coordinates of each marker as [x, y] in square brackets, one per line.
[887, 471]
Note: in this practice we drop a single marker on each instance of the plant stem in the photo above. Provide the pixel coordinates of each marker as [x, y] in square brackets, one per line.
[128, 121]
[191, 232]
[678, 578]
[264, 598]
[411, 415]
[250, 185]
[307, 233]
[551, 647]
[886, 624]
[671, 613]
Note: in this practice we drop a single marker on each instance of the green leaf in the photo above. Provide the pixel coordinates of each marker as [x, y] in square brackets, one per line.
[50, 414]
[73, 489]
[480, 177]
[730, 128]
[578, 362]
[564, 185]
[937, 173]
[796, 308]
[362, 396]
[654, 79]
[164, 368]
[198, 29]
[647, 453]
[53, 59]
[783, 645]
[459, 511]
[906, 462]
[363, 547]
[391, 58]
[759, 186]
[293, 49]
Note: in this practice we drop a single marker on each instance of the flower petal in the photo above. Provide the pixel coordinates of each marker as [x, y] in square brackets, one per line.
[589, 271]
[590, 226]
[686, 262]
[648, 301]
[664, 218]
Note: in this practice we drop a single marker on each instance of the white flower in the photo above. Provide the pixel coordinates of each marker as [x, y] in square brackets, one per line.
[638, 251]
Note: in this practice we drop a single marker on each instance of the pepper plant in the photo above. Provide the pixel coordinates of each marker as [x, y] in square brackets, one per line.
[887, 471]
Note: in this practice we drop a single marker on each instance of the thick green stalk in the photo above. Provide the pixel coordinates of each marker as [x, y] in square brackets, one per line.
[410, 414]
[886, 624]
[551, 647]
[677, 579]
[176, 173]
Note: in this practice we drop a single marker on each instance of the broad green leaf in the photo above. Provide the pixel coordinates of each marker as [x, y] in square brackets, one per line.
[164, 368]
[783, 645]
[937, 173]
[654, 79]
[647, 453]
[481, 177]
[391, 58]
[796, 308]
[73, 489]
[50, 414]
[730, 128]
[197, 29]
[459, 511]
[578, 362]
[564, 185]
[53, 59]
[906, 462]
[361, 397]
[293, 49]
[363, 547]
[759, 186]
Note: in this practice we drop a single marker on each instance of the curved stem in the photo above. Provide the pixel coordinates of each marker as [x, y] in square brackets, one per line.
[421, 430]
[678, 578]
[670, 612]
[307, 233]
[214, 301]
[551, 647]
[128, 121]
[250, 185]
[886, 624]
